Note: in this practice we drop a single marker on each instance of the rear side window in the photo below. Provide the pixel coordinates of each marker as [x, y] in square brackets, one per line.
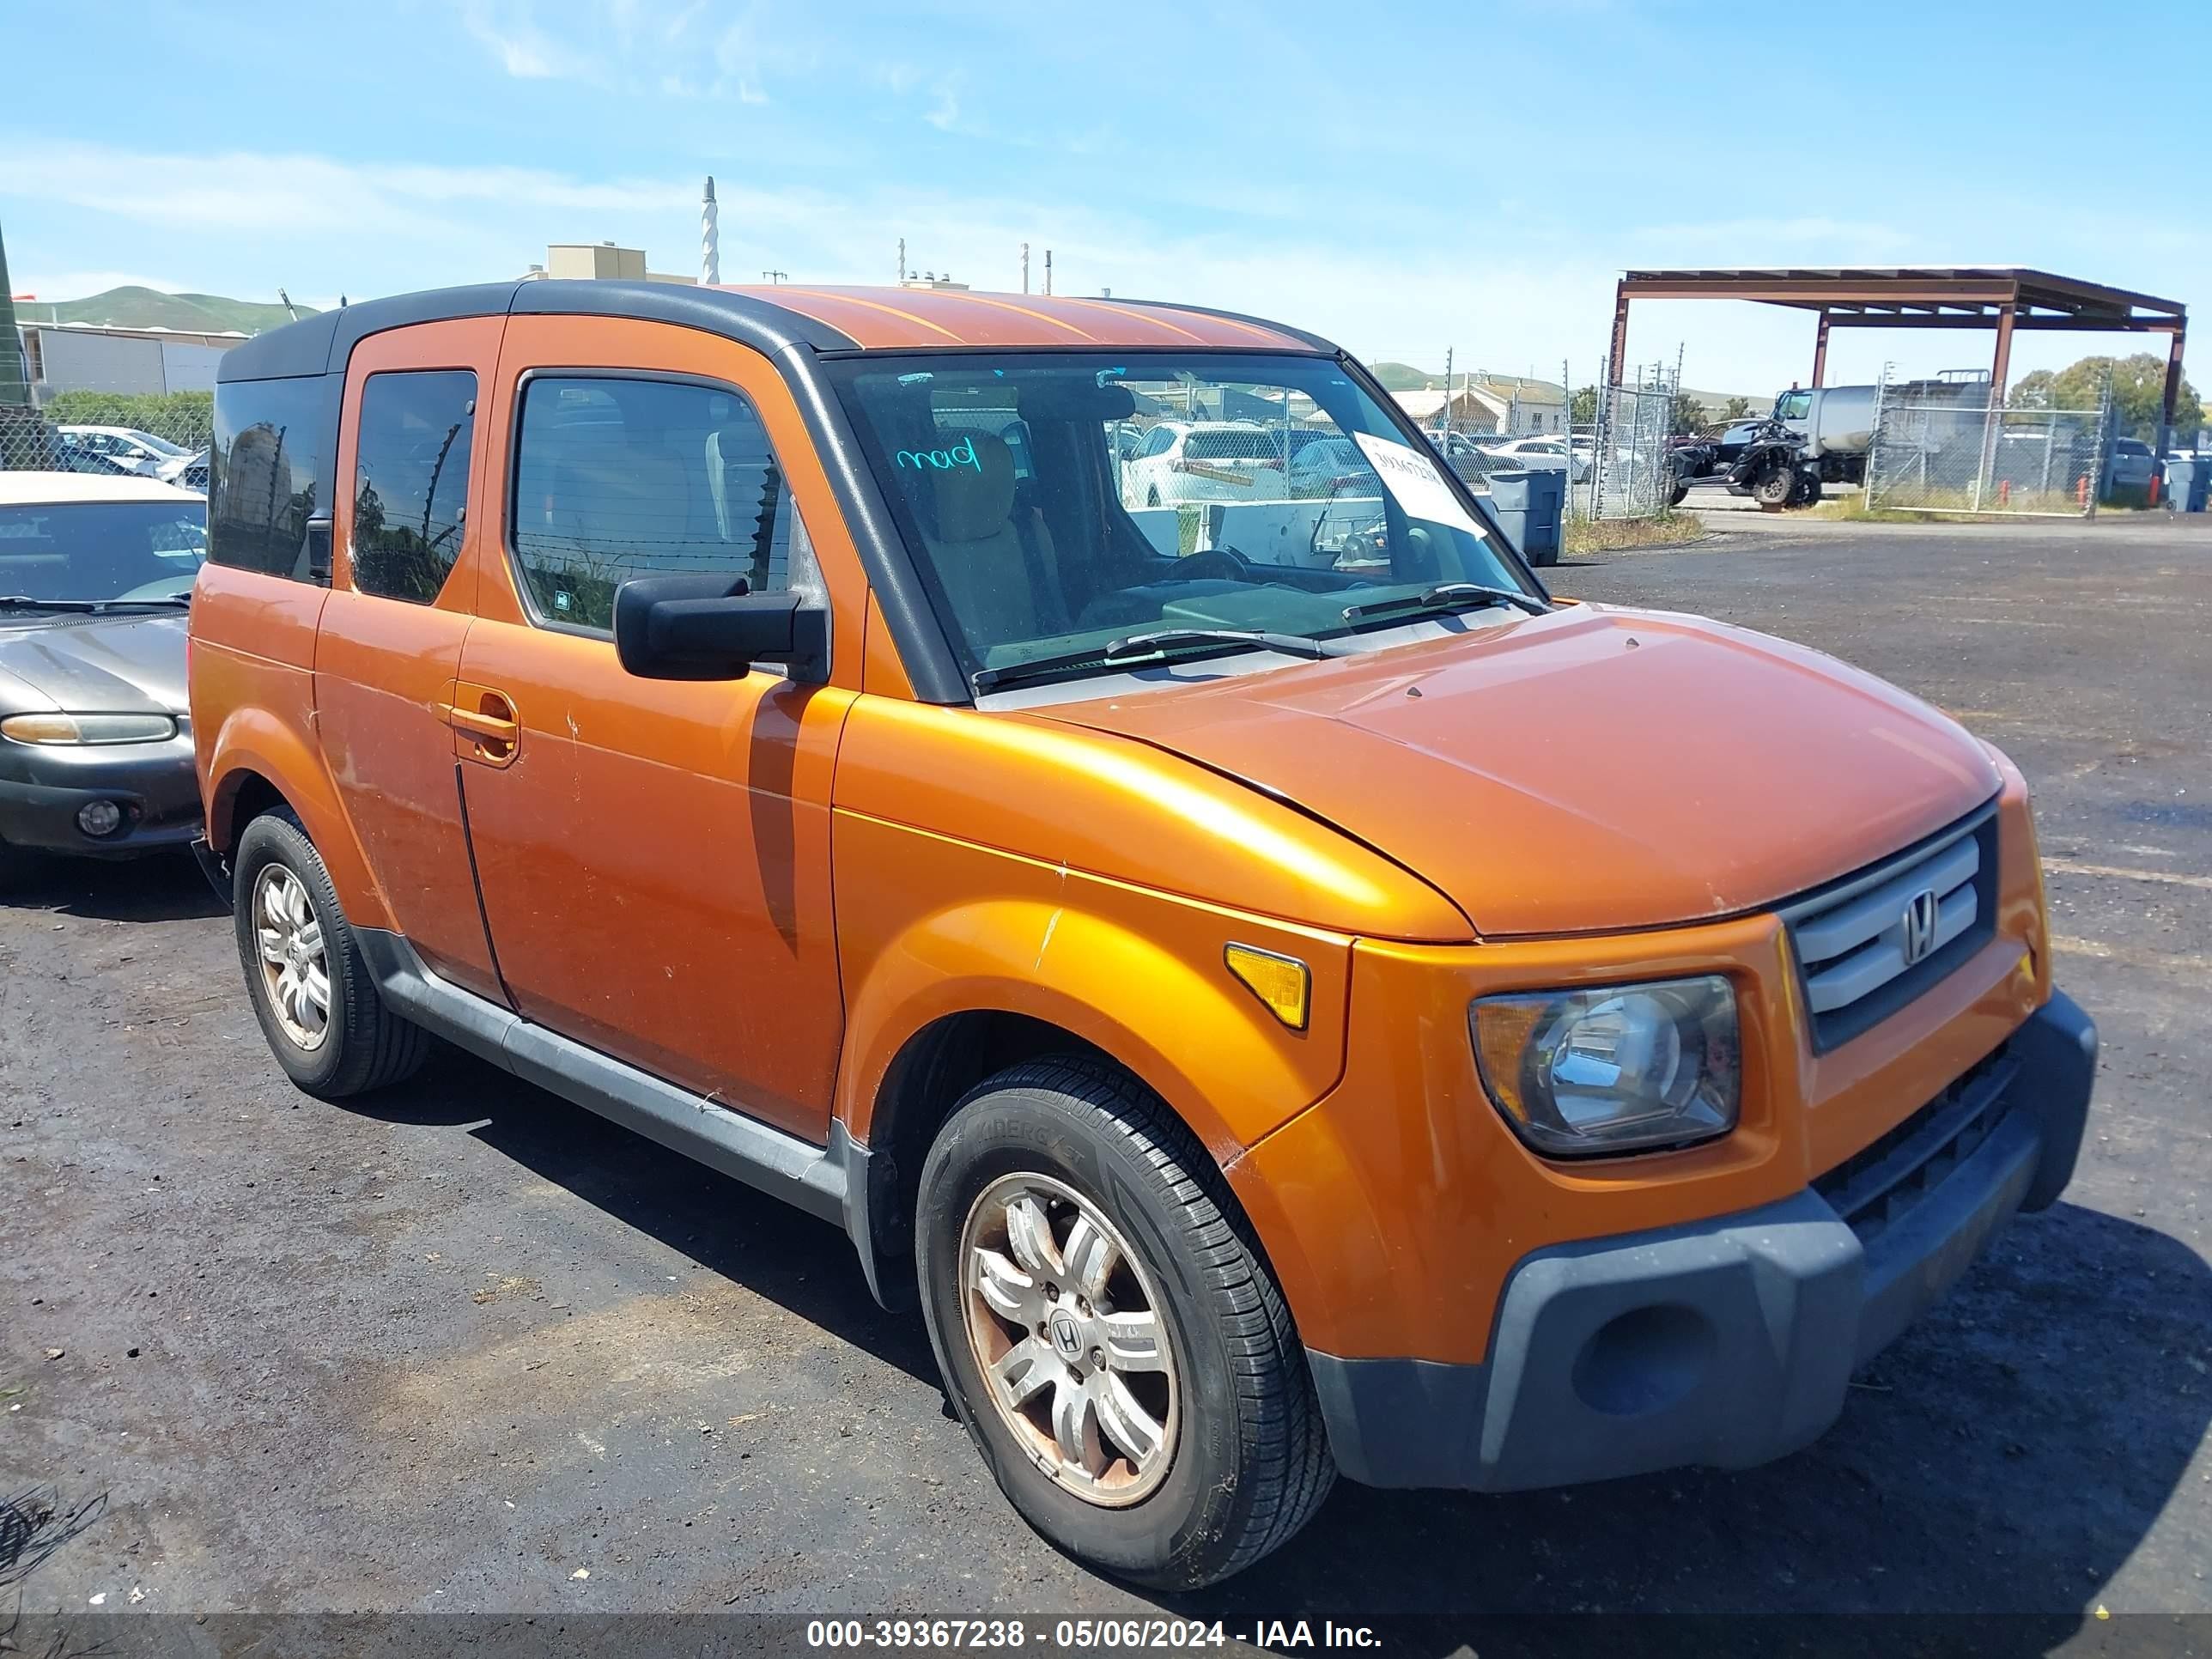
[620, 478]
[1231, 446]
[266, 471]
[411, 481]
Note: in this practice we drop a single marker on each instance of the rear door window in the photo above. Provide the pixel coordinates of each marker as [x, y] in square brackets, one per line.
[411, 481]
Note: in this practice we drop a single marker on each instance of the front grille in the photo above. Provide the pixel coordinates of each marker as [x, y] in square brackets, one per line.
[1876, 1188]
[1849, 936]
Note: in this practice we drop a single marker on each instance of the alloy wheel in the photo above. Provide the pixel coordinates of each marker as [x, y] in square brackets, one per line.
[294, 971]
[1071, 1339]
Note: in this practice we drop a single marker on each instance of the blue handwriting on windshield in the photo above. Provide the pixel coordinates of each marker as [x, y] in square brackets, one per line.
[961, 454]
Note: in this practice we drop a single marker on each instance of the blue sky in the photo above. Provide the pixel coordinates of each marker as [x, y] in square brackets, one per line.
[1405, 179]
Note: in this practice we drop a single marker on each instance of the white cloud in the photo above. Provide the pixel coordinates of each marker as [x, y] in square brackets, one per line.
[247, 192]
[509, 29]
[1399, 289]
[944, 112]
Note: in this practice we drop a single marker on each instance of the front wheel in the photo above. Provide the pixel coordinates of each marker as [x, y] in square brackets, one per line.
[318, 1002]
[1774, 486]
[1108, 1334]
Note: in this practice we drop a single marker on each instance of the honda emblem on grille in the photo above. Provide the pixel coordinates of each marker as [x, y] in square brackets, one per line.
[1917, 935]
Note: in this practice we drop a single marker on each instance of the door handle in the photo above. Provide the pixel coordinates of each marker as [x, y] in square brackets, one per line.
[485, 729]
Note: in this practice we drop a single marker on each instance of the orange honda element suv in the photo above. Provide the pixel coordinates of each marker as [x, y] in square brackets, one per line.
[1284, 994]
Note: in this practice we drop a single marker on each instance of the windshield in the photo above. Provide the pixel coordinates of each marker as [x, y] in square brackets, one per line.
[102, 550]
[1044, 532]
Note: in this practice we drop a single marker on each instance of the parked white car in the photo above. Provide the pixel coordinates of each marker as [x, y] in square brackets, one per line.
[1184, 461]
[1543, 451]
[137, 452]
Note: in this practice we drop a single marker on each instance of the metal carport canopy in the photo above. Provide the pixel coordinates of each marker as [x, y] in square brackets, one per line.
[2002, 297]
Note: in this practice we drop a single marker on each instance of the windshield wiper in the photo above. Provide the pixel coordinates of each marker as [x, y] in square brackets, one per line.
[1450, 596]
[25, 602]
[1138, 647]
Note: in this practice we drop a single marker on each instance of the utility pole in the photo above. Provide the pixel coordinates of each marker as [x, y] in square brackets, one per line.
[15, 379]
[1025, 267]
[290, 310]
[1447, 392]
[1047, 270]
[901, 258]
[774, 276]
[710, 238]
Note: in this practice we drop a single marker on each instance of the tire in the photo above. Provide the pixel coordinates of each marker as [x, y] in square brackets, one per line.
[1775, 488]
[1244, 1459]
[1678, 495]
[1807, 491]
[362, 1044]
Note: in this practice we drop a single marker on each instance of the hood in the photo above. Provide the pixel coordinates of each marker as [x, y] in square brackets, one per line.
[126, 665]
[1591, 770]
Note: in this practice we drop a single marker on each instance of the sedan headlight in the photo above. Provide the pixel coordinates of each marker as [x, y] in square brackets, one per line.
[1615, 1069]
[88, 728]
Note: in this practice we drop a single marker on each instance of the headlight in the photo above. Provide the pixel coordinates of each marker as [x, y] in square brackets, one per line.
[88, 728]
[1615, 1069]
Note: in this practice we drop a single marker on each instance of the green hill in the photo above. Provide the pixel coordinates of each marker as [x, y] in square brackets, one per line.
[146, 308]
[1403, 377]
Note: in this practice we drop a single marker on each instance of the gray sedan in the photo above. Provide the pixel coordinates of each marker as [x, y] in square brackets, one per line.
[95, 734]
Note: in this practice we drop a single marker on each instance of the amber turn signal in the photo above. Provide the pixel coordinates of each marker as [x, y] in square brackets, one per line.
[1284, 983]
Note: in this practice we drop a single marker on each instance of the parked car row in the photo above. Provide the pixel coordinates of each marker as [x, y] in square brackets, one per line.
[128, 450]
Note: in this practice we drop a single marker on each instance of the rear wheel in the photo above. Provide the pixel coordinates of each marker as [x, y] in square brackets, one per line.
[1808, 492]
[312, 992]
[1118, 1351]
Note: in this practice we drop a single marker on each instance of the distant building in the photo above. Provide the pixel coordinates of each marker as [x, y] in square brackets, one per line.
[932, 280]
[93, 357]
[1524, 406]
[1483, 404]
[1471, 410]
[599, 261]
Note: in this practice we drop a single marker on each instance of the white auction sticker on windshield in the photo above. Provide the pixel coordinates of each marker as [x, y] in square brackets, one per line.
[1412, 478]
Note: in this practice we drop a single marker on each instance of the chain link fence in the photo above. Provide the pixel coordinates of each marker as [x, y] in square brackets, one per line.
[115, 435]
[1630, 473]
[1928, 454]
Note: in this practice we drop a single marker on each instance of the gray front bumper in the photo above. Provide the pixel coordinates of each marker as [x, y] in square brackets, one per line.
[1729, 1342]
[43, 788]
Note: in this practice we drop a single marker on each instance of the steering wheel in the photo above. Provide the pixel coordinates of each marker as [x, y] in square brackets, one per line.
[1227, 564]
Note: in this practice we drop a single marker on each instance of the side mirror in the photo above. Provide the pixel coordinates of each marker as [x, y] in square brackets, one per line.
[705, 627]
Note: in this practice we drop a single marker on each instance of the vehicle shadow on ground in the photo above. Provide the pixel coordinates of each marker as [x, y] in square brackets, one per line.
[804, 1264]
[2005, 1458]
[159, 887]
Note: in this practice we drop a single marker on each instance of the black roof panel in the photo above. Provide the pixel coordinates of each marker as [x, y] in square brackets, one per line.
[322, 344]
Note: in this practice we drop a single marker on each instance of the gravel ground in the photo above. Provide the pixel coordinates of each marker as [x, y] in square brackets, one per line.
[469, 1348]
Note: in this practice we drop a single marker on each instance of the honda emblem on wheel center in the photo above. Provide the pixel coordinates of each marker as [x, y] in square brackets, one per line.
[1065, 1337]
[1916, 935]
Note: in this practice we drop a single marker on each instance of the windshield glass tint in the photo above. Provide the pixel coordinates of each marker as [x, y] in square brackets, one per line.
[1058, 502]
[102, 550]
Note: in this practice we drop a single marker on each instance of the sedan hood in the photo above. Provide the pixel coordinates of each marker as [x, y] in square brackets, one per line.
[1589, 770]
[127, 664]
